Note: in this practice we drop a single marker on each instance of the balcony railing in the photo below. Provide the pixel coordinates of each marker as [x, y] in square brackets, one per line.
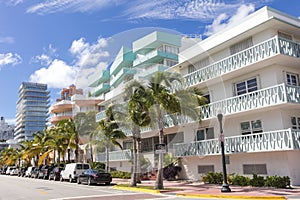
[280, 140]
[123, 155]
[100, 115]
[275, 95]
[259, 52]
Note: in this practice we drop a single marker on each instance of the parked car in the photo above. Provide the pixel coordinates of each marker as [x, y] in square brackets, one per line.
[91, 176]
[72, 170]
[55, 173]
[35, 173]
[14, 171]
[44, 171]
[29, 171]
[9, 169]
[22, 171]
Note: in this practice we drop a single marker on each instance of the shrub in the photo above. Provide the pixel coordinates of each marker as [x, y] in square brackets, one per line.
[98, 166]
[120, 174]
[257, 181]
[277, 181]
[213, 178]
[239, 180]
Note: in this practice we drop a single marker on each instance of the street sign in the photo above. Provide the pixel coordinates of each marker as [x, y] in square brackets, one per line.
[160, 148]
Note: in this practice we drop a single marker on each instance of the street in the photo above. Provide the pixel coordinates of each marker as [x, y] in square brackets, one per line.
[19, 188]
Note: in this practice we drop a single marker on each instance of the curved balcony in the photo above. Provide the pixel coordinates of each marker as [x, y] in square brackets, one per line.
[61, 107]
[56, 119]
[281, 140]
[260, 52]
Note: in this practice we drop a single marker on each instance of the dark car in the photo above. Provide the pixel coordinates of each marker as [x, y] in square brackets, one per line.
[34, 173]
[44, 171]
[22, 171]
[91, 176]
[55, 173]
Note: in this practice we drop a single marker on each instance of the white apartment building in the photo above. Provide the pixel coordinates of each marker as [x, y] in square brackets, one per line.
[250, 73]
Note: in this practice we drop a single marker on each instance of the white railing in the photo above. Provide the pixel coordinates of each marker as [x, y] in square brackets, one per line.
[280, 140]
[256, 53]
[100, 115]
[122, 155]
[261, 98]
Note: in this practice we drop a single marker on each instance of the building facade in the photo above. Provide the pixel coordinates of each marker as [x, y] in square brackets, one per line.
[32, 110]
[6, 130]
[249, 72]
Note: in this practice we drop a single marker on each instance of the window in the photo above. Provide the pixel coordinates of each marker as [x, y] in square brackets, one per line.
[147, 144]
[295, 122]
[292, 79]
[204, 169]
[245, 44]
[205, 134]
[174, 138]
[247, 86]
[255, 169]
[251, 127]
[170, 63]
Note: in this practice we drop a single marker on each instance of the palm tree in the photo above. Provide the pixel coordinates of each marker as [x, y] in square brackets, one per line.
[110, 133]
[139, 117]
[164, 101]
[69, 128]
[86, 126]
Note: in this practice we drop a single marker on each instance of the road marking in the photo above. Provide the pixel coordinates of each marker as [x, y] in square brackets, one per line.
[42, 192]
[91, 196]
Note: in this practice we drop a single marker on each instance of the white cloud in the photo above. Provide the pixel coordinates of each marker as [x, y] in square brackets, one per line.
[88, 55]
[11, 2]
[57, 75]
[7, 40]
[53, 6]
[46, 58]
[223, 20]
[10, 59]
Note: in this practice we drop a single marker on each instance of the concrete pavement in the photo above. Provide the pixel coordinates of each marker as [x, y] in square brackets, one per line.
[201, 190]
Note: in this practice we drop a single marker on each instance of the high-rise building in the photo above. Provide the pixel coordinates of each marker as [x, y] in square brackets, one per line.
[32, 110]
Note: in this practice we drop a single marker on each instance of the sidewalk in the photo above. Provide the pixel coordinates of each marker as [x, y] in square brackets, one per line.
[198, 189]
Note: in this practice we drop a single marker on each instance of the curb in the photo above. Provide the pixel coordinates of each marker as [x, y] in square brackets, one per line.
[200, 195]
[137, 189]
[231, 196]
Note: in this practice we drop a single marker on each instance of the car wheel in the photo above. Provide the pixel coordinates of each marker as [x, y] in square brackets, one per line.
[89, 181]
[107, 183]
[78, 181]
[70, 179]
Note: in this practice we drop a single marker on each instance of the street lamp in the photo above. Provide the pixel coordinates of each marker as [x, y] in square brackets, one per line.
[225, 186]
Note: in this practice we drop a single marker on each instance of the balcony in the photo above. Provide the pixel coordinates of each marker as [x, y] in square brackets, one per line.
[153, 57]
[262, 51]
[121, 75]
[124, 59]
[100, 115]
[100, 89]
[281, 140]
[122, 155]
[100, 78]
[278, 94]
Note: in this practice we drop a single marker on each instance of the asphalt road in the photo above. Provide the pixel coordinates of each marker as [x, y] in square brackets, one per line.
[20, 188]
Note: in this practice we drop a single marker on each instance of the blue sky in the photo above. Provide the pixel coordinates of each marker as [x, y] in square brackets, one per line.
[62, 42]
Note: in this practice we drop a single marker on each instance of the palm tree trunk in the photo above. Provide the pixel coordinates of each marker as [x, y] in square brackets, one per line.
[107, 158]
[159, 179]
[91, 149]
[134, 170]
[139, 157]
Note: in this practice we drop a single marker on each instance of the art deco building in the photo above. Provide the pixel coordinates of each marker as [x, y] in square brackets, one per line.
[250, 74]
[32, 110]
